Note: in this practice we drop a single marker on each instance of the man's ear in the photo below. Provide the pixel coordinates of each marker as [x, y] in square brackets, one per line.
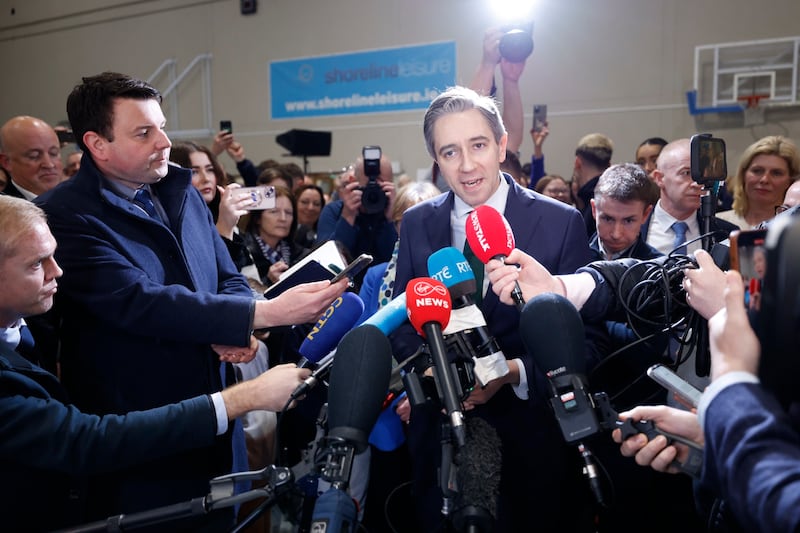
[647, 210]
[658, 177]
[96, 144]
[502, 147]
[594, 208]
[4, 161]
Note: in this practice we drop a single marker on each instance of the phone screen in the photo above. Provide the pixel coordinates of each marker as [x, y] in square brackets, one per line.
[539, 116]
[226, 125]
[354, 268]
[749, 257]
[261, 197]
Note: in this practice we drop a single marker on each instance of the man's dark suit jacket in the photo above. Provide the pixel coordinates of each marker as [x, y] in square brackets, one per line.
[752, 458]
[46, 443]
[540, 485]
[11, 190]
[141, 305]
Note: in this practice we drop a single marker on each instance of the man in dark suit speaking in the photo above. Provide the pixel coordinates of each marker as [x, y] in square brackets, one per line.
[464, 134]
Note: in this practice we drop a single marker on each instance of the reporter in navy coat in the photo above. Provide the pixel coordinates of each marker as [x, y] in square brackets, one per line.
[540, 487]
[147, 299]
[44, 440]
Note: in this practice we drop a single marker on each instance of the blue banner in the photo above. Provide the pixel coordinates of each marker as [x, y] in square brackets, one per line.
[395, 79]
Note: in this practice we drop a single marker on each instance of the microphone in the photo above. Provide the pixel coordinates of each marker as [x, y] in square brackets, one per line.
[323, 367]
[561, 358]
[391, 316]
[429, 308]
[490, 237]
[338, 319]
[357, 386]
[478, 466]
[467, 322]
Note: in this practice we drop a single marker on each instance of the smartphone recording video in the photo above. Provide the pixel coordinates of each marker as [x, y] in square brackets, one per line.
[708, 159]
[749, 258]
[261, 197]
[539, 117]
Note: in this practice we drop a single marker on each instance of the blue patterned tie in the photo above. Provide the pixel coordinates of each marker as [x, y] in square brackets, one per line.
[143, 199]
[680, 237]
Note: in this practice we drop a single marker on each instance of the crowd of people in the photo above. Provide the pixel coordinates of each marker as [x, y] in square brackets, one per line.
[139, 358]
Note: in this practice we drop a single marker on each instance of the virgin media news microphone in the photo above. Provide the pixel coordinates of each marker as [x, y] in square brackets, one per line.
[562, 358]
[490, 237]
[449, 266]
[338, 319]
[429, 309]
[357, 387]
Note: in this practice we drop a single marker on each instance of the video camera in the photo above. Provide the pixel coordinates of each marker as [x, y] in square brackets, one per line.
[373, 199]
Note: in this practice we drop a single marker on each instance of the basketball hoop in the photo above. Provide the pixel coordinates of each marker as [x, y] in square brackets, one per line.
[753, 112]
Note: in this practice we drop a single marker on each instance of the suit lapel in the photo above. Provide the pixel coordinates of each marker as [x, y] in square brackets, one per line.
[439, 231]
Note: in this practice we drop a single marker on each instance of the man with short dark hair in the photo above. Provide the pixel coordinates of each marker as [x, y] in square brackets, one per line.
[466, 137]
[151, 301]
[620, 206]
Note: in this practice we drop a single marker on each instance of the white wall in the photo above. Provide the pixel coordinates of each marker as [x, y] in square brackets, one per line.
[620, 67]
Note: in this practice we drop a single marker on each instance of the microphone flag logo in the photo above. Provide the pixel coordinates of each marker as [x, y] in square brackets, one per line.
[488, 233]
[427, 300]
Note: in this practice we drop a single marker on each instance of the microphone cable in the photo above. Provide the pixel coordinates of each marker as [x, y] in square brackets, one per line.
[652, 304]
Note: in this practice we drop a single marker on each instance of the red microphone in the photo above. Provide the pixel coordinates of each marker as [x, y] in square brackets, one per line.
[490, 237]
[755, 285]
[428, 304]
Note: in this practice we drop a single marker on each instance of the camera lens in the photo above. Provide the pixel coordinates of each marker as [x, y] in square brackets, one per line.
[373, 199]
[516, 46]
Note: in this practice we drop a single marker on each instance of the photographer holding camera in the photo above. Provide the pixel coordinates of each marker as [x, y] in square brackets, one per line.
[361, 219]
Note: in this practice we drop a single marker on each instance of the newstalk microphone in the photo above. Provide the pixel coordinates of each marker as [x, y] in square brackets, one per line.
[357, 387]
[561, 357]
[467, 322]
[490, 237]
[429, 309]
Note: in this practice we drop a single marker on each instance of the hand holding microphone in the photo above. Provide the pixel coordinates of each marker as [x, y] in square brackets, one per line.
[490, 237]
[531, 277]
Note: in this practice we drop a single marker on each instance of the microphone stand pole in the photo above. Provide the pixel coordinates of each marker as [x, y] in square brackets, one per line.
[220, 497]
[708, 206]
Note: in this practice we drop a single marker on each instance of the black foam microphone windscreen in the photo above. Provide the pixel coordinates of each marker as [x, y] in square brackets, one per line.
[358, 384]
[479, 463]
[552, 332]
